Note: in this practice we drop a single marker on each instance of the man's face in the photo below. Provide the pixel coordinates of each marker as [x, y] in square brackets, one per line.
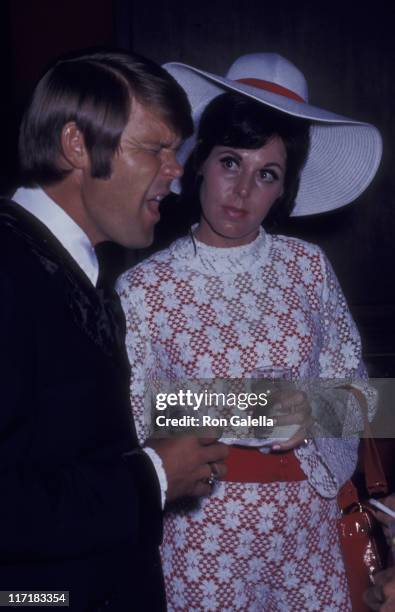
[125, 207]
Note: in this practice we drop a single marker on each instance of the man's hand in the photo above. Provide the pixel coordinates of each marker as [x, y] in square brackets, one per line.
[382, 595]
[384, 519]
[292, 408]
[189, 462]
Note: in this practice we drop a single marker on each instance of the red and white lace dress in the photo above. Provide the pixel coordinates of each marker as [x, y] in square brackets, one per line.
[195, 311]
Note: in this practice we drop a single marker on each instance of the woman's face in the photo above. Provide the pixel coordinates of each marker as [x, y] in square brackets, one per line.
[238, 189]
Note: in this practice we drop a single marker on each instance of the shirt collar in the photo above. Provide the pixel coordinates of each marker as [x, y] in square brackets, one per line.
[62, 226]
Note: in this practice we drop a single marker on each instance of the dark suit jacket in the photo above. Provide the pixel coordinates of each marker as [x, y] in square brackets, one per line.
[80, 502]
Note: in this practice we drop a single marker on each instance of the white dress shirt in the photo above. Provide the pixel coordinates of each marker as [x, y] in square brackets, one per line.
[62, 226]
[78, 245]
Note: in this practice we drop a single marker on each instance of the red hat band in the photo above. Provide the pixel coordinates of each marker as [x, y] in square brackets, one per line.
[273, 87]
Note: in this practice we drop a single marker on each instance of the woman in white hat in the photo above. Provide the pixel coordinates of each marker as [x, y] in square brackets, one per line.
[230, 299]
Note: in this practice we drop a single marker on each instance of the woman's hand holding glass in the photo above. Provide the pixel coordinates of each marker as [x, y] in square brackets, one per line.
[289, 407]
[292, 411]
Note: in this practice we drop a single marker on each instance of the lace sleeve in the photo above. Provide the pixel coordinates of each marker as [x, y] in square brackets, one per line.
[339, 358]
[341, 348]
[139, 351]
[341, 353]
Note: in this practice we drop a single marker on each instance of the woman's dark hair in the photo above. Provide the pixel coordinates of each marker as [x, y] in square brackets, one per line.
[97, 92]
[237, 121]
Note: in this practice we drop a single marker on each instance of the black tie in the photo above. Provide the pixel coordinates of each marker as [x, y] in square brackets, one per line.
[110, 300]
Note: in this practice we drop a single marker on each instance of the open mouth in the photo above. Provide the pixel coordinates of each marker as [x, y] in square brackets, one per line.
[153, 205]
[153, 208]
[234, 213]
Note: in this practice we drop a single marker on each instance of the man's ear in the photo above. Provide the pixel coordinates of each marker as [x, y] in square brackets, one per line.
[73, 147]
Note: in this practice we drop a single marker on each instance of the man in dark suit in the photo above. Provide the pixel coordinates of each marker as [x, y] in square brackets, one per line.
[81, 502]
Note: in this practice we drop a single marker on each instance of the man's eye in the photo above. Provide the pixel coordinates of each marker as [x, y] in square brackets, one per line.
[152, 148]
[229, 162]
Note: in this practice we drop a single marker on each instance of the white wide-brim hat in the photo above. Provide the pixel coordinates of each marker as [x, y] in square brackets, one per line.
[344, 154]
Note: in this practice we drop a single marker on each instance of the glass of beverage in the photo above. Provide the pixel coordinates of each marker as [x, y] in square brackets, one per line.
[274, 382]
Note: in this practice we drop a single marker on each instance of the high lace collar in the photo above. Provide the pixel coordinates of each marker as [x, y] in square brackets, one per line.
[217, 260]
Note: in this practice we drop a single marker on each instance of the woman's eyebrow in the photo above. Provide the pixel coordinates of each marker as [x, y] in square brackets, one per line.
[280, 166]
[230, 152]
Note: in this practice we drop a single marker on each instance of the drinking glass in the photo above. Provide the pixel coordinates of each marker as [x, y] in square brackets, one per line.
[274, 381]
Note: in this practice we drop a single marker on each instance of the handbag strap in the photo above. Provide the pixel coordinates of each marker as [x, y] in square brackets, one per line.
[375, 479]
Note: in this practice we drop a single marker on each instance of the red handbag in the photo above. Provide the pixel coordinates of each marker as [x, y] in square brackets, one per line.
[361, 538]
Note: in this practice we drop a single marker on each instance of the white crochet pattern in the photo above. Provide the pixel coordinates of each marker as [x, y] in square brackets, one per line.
[195, 311]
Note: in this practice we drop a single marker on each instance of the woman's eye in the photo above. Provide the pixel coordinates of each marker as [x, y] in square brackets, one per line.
[269, 176]
[229, 163]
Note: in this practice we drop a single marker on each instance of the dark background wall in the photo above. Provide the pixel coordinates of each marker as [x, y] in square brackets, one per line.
[346, 53]
[32, 34]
